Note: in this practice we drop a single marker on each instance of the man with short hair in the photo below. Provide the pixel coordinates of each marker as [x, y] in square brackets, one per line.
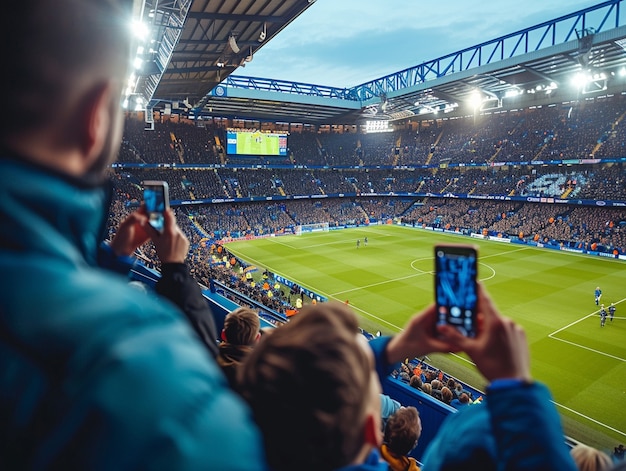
[95, 375]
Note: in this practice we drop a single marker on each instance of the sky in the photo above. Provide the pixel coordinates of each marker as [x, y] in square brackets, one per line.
[344, 43]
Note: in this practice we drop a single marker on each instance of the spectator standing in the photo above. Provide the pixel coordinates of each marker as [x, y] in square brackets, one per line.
[312, 397]
[103, 376]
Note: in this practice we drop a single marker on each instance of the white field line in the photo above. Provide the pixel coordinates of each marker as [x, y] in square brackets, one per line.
[381, 283]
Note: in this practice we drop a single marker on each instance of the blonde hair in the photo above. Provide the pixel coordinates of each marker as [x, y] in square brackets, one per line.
[590, 459]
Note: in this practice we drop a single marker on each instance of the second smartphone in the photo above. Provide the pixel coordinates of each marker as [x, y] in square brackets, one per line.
[456, 295]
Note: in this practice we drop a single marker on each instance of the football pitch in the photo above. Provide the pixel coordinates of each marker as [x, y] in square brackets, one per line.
[550, 293]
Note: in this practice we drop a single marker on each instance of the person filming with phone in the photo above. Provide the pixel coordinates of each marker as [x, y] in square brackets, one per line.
[300, 382]
[95, 374]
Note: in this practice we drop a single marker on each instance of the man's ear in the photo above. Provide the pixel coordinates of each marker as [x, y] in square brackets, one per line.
[96, 121]
[373, 434]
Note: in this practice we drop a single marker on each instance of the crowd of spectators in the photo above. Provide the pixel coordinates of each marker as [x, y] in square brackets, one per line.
[584, 182]
[436, 383]
[577, 130]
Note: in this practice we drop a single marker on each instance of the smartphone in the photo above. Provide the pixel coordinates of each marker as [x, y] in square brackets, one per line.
[157, 199]
[456, 294]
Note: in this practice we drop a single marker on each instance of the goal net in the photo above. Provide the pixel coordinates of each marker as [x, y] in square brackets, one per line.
[306, 228]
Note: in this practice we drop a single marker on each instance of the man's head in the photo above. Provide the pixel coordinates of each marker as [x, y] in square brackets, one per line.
[314, 392]
[402, 431]
[241, 327]
[68, 61]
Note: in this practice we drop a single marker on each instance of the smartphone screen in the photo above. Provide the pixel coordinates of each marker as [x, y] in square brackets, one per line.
[156, 199]
[455, 287]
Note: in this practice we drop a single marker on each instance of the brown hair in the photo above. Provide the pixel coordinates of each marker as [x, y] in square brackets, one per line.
[241, 327]
[415, 382]
[306, 384]
[402, 431]
[446, 394]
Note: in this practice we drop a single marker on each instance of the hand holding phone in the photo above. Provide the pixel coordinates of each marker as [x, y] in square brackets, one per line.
[456, 268]
[157, 201]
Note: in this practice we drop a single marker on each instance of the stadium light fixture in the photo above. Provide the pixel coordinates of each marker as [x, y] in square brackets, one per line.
[250, 56]
[475, 99]
[140, 30]
[233, 44]
[263, 33]
[580, 79]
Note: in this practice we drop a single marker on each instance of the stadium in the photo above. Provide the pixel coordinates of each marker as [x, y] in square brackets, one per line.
[503, 150]
[296, 193]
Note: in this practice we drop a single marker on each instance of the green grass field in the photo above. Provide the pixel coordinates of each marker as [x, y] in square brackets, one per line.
[549, 293]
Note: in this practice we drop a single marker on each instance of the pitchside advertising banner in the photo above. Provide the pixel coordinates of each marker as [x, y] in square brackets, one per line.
[256, 143]
[528, 199]
[309, 293]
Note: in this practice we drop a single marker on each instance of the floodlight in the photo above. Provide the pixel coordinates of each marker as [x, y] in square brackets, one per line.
[140, 30]
[580, 79]
[475, 99]
[138, 62]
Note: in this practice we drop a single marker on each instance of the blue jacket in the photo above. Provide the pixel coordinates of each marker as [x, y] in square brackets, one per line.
[94, 374]
[516, 428]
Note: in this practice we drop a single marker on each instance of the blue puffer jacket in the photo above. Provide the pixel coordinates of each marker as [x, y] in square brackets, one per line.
[94, 374]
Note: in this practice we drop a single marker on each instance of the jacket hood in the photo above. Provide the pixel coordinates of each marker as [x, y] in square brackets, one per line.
[44, 212]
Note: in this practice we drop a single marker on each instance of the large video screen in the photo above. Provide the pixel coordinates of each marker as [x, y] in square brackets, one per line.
[255, 143]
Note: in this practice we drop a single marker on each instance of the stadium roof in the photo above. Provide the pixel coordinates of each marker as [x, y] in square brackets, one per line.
[536, 65]
[189, 46]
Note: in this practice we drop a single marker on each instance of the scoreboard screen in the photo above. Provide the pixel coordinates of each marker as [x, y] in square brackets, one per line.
[255, 143]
